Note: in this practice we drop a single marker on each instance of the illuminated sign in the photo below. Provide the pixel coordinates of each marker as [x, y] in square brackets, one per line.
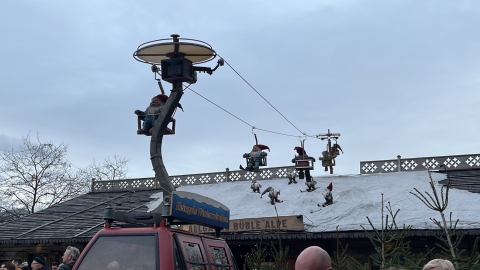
[199, 209]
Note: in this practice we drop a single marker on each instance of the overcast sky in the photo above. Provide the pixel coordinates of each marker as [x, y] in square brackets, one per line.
[393, 77]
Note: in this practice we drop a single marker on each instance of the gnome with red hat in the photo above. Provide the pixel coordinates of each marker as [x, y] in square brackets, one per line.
[328, 196]
[150, 115]
[301, 155]
[254, 158]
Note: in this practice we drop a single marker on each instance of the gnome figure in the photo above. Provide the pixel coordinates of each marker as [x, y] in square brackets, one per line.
[328, 158]
[254, 158]
[150, 115]
[255, 186]
[272, 194]
[302, 154]
[311, 185]
[291, 177]
[328, 196]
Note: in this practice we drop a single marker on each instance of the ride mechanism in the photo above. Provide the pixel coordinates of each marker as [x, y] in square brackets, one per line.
[177, 59]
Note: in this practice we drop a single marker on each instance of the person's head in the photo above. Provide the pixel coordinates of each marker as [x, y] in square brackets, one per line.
[313, 258]
[71, 254]
[114, 265]
[439, 264]
[38, 262]
[54, 265]
[17, 262]
[24, 266]
[7, 266]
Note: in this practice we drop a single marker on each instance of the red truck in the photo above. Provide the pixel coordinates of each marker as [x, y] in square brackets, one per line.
[149, 241]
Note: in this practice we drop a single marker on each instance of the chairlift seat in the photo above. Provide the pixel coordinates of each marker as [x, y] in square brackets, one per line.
[169, 130]
[263, 163]
[304, 164]
[328, 162]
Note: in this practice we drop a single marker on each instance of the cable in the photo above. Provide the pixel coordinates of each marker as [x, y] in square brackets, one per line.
[262, 96]
[238, 118]
[279, 133]
[188, 87]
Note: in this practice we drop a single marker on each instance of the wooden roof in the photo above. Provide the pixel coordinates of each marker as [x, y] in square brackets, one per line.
[76, 220]
[466, 180]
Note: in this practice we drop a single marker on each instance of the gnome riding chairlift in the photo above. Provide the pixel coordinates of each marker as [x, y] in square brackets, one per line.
[256, 157]
[332, 151]
[303, 163]
[302, 160]
[147, 119]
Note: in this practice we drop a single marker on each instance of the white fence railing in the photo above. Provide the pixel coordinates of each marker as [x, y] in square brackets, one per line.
[454, 162]
[192, 179]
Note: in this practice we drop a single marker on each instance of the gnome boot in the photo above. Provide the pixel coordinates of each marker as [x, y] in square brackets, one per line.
[257, 166]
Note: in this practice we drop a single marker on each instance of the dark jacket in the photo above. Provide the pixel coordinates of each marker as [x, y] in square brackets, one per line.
[68, 266]
[44, 267]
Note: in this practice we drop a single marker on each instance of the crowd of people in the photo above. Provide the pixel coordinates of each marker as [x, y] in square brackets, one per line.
[39, 262]
[311, 258]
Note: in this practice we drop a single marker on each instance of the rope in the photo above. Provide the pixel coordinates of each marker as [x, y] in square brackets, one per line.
[238, 118]
[263, 97]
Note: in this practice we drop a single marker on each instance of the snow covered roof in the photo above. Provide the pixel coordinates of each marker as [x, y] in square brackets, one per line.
[355, 198]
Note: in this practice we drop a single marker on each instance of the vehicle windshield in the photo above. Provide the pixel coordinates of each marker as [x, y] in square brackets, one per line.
[115, 252]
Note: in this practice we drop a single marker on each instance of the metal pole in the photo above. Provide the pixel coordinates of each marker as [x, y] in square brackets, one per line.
[157, 136]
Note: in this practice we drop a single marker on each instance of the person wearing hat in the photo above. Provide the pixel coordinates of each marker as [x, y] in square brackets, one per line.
[328, 196]
[39, 263]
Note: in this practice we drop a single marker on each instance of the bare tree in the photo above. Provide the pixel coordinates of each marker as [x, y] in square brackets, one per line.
[109, 169]
[37, 176]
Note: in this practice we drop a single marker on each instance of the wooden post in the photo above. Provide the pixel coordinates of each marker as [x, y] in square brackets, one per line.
[399, 161]
[92, 185]
[227, 174]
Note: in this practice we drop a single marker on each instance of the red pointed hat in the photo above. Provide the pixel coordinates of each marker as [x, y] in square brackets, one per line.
[300, 150]
[263, 147]
[162, 97]
[330, 186]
